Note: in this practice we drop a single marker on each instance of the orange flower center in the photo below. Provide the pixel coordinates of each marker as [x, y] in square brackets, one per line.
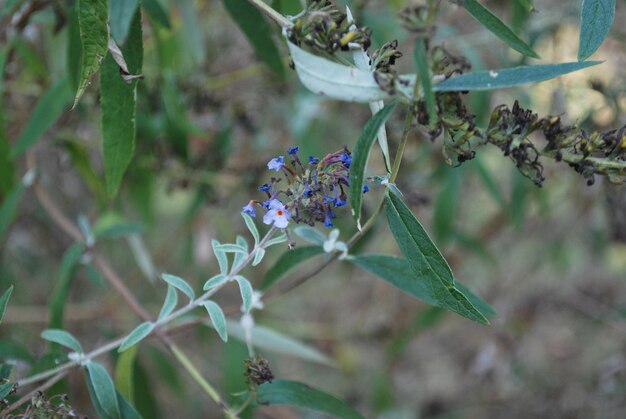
[279, 213]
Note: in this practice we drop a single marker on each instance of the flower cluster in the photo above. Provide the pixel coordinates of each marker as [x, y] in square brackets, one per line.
[304, 191]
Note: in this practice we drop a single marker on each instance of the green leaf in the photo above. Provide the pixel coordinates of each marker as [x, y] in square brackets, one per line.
[273, 341]
[217, 318]
[136, 336]
[5, 389]
[231, 248]
[421, 64]
[94, 35]
[310, 234]
[104, 390]
[257, 31]
[156, 12]
[126, 409]
[276, 240]
[11, 349]
[222, 260]
[215, 281]
[446, 206]
[4, 300]
[80, 155]
[497, 27]
[260, 254]
[62, 337]
[169, 304]
[425, 260]
[74, 49]
[509, 77]
[118, 103]
[287, 261]
[596, 19]
[48, 109]
[252, 227]
[245, 288]
[284, 392]
[70, 260]
[239, 257]
[121, 13]
[361, 154]
[398, 272]
[124, 369]
[180, 284]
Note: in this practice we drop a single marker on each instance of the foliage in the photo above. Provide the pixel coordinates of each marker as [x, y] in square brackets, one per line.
[135, 70]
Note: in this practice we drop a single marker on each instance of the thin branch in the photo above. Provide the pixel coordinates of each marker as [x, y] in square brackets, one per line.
[272, 14]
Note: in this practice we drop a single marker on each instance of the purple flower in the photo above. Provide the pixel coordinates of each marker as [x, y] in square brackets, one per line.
[249, 209]
[313, 160]
[327, 222]
[346, 159]
[307, 190]
[276, 163]
[265, 187]
[277, 214]
[293, 150]
[366, 189]
[339, 202]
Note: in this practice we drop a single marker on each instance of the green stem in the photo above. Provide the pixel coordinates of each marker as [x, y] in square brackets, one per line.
[206, 386]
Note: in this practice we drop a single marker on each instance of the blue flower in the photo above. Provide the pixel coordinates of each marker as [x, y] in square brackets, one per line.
[265, 187]
[293, 150]
[307, 190]
[313, 160]
[346, 159]
[276, 163]
[277, 215]
[327, 222]
[339, 202]
[249, 209]
[266, 204]
[328, 199]
[366, 189]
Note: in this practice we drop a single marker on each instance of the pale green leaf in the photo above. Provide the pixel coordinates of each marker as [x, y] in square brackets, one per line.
[180, 284]
[217, 318]
[361, 153]
[104, 390]
[220, 255]
[231, 248]
[94, 35]
[121, 13]
[509, 77]
[260, 254]
[137, 335]
[252, 227]
[245, 288]
[215, 281]
[497, 27]
[596, 19]
[62, 337]
[310, 234]
[276, 240]
[169, 304]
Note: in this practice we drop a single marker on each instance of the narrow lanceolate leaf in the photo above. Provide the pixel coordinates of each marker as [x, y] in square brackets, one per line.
[252, 227]
[273, 341]
[217, 318]
[259, 33]
[169, 304]
[180, 284]
[4, 300]
[310, 234]
[397, 271]
[156, 12]
[596, 19]
[62, 338]
[337, 81]
[246, 292]
[276, 240]
[231, 248]
[136, 336]
[287, 261]
[6, 389]
[215, 281]
[284, 392]
[497, 27]
[220, 255]
[70, 260]
[425, 260]
[423, 72]
[509, 77]
[239, 257]
[93, 17]
[124, 370]
[104, 390]
[260, 254]
[48, 109]
[118, 103]
[361, 154]
[121, 13]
